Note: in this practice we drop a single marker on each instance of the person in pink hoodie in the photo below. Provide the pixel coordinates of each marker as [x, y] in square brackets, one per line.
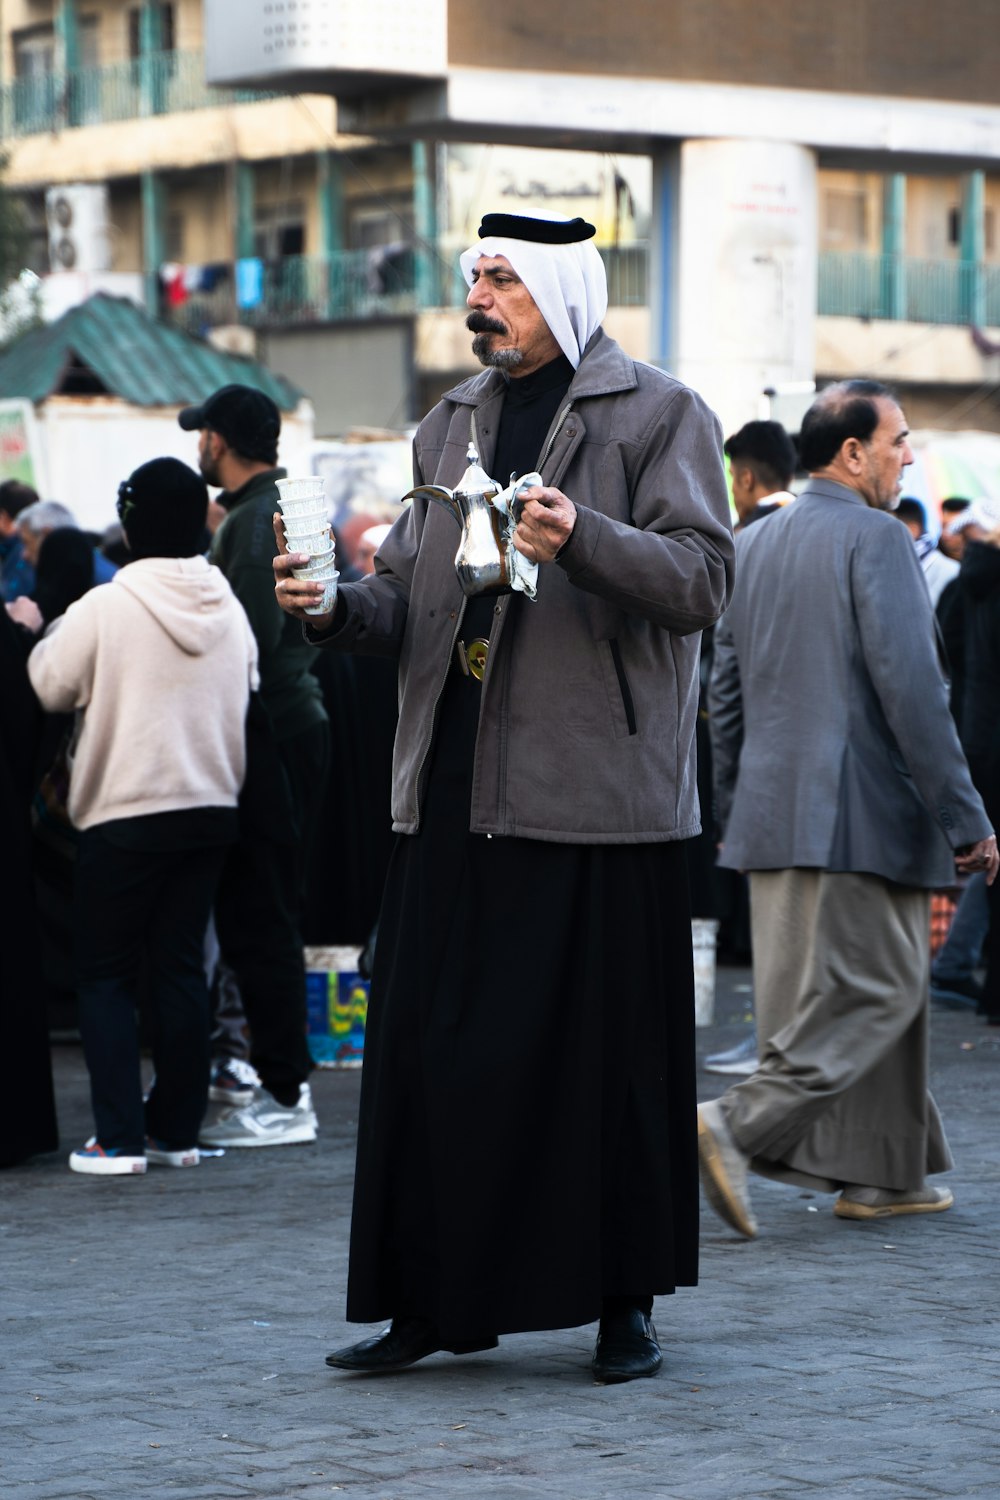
[158, 667]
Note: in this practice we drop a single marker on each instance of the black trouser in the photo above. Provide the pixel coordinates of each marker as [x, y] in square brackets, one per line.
[258, 913]
[133, 905]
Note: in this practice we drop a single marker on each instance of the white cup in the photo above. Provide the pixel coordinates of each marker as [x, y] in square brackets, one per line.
[292, 491]
[324, 605]
[307, 526]
[311, 520]
[316, 548]
[318, 568]
[302, 510]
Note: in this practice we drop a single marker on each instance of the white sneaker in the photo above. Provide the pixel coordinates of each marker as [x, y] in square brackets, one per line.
[265, 1122]
[162, 1156]
[96, 1162]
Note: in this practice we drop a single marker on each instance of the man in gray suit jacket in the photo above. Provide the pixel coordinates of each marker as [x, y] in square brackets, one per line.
[844, 792]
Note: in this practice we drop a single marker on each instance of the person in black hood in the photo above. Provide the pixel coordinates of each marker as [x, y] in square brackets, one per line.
[64, 571]
[27, 1107]
[979, 726]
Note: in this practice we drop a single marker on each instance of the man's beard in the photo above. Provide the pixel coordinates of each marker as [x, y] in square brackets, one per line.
[208, 469]
[506, 357]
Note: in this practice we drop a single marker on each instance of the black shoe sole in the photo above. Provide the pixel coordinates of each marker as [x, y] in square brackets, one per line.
[620, 1376]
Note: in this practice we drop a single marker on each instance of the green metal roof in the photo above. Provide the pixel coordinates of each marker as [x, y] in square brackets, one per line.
[108, 345]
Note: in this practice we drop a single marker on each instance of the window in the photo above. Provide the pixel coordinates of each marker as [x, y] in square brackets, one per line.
[36, 96]
[173, 237]
[845, 219]
[989, 228]
[34, 52]
[88, 47]
[167, 30]
[279, 230]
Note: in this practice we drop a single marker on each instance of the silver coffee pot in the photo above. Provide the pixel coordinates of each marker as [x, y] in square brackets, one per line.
[487, 562]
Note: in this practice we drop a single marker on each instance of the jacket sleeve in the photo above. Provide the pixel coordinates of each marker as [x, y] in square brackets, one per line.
[61, 666]
[895, 624]
[252, 581]
[674, 564]
[725, 720]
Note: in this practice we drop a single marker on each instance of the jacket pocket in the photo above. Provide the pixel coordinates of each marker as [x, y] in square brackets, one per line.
[628, 702]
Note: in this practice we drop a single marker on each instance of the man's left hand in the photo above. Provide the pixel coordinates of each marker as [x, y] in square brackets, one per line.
[982, 857]
[546, 523]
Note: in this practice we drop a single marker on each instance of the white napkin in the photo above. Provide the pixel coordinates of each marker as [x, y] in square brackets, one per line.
[522, 573]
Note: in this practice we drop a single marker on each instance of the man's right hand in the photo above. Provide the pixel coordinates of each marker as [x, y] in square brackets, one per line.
[295, 595]
[975, 858]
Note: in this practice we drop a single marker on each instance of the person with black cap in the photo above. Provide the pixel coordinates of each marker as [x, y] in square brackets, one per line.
[261, 894]
[158, 665]
[527, 1131]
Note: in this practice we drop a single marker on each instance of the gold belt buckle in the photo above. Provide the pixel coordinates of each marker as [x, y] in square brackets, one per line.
[472, 658]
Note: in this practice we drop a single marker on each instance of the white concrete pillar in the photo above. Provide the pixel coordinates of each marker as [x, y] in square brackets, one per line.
[745, 271]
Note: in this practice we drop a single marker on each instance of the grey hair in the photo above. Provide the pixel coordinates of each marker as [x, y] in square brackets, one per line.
[46, 515]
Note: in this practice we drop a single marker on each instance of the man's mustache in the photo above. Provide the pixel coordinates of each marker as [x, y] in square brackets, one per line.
[478, 322]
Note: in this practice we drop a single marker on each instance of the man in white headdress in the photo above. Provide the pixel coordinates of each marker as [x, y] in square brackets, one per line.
[527, 1139]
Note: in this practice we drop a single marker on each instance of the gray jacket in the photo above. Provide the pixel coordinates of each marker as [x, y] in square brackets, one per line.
[586, 732]
[833, 747]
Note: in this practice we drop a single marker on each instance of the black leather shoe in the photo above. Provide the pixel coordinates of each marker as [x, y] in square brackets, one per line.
[404, 1342]
[626, 1348]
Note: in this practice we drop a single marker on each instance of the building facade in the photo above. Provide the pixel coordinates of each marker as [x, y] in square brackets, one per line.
[819, 197]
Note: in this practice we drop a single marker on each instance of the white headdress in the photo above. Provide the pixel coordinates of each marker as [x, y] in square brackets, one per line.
[558, 263]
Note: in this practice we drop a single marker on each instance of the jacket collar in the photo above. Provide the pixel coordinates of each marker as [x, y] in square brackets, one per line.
[829, 489]
[255, 485]
[604, 370]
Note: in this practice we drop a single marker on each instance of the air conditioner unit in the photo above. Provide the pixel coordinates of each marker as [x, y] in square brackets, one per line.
[77, 219]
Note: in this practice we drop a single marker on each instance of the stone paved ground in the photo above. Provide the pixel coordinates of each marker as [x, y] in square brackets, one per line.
[164, 1336]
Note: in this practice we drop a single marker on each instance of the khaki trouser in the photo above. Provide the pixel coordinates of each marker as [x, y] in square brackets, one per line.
[841, 967]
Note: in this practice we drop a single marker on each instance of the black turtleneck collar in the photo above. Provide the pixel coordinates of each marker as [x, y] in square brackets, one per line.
[530, 405]
[524, 388]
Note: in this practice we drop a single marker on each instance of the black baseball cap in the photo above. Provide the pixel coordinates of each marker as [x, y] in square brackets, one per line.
[247, 419]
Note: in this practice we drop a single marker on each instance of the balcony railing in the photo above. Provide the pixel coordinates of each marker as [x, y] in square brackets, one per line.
[156, 84]
[353, 284]
[917, 291]
[362, 284]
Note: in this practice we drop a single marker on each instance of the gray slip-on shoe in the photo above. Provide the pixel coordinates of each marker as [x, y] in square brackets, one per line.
[884, 1203]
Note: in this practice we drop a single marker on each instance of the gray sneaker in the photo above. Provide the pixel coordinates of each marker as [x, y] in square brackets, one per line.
[264, 1122]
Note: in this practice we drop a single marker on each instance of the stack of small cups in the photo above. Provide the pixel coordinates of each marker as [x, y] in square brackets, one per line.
[307, 529]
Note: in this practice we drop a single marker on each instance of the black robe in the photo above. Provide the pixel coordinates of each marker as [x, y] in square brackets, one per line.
[27, 1108]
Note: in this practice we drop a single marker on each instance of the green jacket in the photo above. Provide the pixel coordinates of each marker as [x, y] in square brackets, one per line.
[243, 548]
